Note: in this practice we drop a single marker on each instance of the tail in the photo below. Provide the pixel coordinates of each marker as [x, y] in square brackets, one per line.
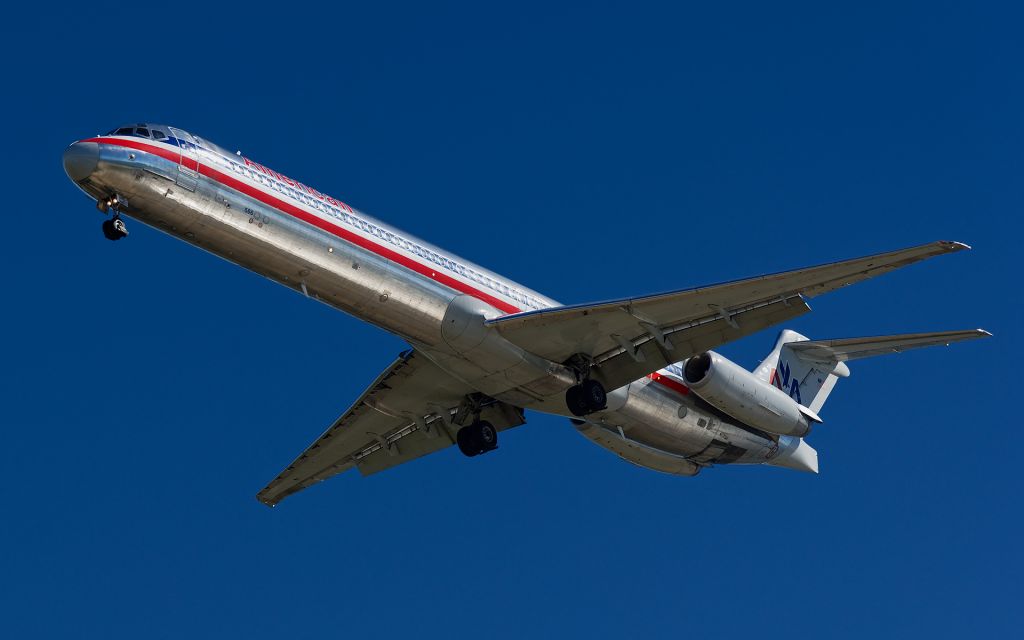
[808, 369]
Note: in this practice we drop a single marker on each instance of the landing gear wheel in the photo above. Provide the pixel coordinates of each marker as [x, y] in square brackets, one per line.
[114, 229]
[594, 395]
[479, 437]
[488, 436]
[587, 397]
[464, 438]
[574, 400]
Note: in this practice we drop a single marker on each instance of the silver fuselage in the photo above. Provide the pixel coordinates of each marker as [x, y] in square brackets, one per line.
[324, 249]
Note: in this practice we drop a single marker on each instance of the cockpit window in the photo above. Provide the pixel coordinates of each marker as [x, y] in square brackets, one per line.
[141, 130]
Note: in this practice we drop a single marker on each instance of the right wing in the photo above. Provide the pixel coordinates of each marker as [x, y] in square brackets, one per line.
[629, 338]
[407, 412]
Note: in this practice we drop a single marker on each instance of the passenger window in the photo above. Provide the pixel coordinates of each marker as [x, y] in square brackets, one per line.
[142, 132]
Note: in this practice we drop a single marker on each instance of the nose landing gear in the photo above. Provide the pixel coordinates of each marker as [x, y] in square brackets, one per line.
[114, 228]
[479, 437]
[107, 204]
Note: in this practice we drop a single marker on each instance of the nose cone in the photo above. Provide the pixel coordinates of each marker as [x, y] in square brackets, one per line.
[80, 160]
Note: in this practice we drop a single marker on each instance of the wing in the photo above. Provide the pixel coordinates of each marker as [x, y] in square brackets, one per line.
[629, 338]
[409, 411]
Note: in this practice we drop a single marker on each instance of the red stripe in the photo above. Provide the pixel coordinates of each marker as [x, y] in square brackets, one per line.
[670, 383]
[428, 271]
[174, 157]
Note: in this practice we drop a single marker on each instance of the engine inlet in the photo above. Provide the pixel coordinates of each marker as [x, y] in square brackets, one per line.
[697, 367]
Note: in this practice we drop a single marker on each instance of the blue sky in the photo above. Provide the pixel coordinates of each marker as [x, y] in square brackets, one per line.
[149, 389]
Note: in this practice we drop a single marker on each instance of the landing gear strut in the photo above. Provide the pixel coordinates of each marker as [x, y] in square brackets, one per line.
[107, 204]
[114, 228]
[586, 397]
[479, 437]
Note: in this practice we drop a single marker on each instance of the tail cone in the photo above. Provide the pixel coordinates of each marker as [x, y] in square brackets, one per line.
[794, 453]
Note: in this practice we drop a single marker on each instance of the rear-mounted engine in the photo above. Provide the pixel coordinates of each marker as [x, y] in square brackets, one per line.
[739, 393]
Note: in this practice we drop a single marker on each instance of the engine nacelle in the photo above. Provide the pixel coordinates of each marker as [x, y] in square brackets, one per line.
[732, 389]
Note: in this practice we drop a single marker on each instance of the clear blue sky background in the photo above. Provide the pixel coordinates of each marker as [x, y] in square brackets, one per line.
[149, 390]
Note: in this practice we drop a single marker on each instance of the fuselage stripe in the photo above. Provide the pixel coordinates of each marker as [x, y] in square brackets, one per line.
[669, 383]
[427, 271]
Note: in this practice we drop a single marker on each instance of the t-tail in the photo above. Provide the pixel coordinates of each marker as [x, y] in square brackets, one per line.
[805, 379]
[808, 370]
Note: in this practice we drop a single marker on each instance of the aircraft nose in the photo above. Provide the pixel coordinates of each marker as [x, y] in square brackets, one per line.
[80, 160]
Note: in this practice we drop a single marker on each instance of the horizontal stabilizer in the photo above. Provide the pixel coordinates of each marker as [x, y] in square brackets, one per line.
[808, 369]
[855, 348]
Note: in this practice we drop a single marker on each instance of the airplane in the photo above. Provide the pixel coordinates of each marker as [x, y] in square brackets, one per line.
[637, 376]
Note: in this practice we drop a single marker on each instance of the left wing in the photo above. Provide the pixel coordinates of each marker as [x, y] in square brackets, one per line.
[409, 411]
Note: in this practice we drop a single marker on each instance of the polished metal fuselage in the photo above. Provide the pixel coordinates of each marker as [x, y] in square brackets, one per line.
[289, 233]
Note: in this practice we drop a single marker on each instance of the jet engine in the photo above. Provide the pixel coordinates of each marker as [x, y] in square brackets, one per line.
[732, 389]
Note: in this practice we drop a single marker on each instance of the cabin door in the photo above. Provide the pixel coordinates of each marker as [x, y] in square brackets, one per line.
[188, 165]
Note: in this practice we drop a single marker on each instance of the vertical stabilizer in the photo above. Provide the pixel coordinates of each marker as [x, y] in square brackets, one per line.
[767, 366]
[803, 379]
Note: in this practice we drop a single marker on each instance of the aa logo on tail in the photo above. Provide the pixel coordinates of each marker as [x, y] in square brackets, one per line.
[783, 378]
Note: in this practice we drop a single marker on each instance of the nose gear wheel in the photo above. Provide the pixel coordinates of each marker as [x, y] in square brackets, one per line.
[114, 229]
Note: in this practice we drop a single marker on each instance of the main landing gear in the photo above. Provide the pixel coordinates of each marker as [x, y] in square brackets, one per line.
[586, 397]
[476, 438]
[114, 228]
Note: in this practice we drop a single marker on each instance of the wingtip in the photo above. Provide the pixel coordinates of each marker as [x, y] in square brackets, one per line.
[953, 245]
[970, 334]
